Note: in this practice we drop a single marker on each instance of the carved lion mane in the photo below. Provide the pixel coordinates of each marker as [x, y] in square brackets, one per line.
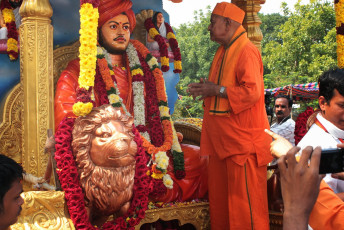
[108, 190]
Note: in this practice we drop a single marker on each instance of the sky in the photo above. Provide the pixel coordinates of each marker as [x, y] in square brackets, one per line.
[183, 12]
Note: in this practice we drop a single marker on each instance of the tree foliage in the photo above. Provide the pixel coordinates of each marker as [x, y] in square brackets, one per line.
[296, 48]
[197, 52]
[304, 45]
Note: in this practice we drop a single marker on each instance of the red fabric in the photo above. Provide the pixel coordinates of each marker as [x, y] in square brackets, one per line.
[66, 87]
[195, 184]
[237, 194]
[111, 8]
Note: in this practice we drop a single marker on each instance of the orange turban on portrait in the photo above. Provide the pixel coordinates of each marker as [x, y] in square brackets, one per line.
[229, 10]
[111, 8]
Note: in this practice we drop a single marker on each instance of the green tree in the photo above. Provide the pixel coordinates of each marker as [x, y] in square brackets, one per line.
[197, 52]
[270, 27]
[304, 47]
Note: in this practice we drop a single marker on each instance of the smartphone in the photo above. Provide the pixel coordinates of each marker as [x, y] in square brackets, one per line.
[331, 161]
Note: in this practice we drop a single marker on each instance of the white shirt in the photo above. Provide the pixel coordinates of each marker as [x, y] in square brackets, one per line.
[316, 136]
[3, 33]
[285, 129]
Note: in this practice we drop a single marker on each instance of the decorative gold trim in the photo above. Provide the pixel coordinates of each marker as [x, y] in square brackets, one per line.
[43, 210]
[196, 214]
[34, 8]
[252, 21]
[11, 128]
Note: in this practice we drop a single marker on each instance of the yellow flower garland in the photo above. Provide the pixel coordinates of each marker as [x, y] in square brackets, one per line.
[339, 8]
[12, 44]
[8, 15]
[87, 54]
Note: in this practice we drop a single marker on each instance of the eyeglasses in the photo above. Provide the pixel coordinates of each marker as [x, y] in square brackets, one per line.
[282, 106]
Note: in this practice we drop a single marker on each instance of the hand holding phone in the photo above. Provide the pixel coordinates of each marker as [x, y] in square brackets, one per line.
[331, 161]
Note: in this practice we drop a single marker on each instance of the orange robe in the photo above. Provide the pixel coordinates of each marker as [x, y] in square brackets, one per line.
[328, 211]
[233, 137]
[193, 186]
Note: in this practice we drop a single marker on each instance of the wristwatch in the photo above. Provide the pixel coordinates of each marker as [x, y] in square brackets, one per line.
[222, 90]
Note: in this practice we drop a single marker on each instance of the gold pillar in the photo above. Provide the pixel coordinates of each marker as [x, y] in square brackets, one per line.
[36, 77]
[252, 21]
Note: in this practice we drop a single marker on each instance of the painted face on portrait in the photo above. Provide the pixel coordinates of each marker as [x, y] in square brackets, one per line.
[12, 202]
[217, 28]
[282, 109]
[115, 34]
[160, 19]
[333, 110]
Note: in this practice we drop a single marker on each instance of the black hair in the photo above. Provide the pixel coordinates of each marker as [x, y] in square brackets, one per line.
[15, 4]
[154, 19]
[10, 171]
[329, 81]
[290, 101]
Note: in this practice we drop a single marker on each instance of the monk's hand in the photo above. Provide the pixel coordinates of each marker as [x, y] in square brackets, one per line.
[279, 146]
[340, 175]
[203, 89]
[300, 184]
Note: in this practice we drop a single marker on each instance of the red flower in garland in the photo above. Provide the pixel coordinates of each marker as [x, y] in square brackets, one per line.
[74, 196]
[300, 124]
[161, 42]
[12, 34]
[175, 49]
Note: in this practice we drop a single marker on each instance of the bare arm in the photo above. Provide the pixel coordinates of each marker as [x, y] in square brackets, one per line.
[149, 38]
[300, 186]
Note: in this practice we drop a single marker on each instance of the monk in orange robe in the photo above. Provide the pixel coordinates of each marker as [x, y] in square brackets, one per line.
[233, 126]
[116, 22]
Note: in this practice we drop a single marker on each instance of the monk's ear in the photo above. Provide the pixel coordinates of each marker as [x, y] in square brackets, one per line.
[228, 23]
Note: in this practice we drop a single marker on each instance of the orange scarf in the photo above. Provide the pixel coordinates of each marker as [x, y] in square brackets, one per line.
[222, 71]
[317, 122]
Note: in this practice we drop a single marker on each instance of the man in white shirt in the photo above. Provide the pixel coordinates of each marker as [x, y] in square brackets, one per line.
[284, 126]
[328, 129]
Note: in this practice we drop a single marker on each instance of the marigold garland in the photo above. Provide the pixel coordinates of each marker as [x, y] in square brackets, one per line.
[175, 49]
[96, 70]
[87, 52]
[162, 139]
[154, 33]
[300, 124]
[68, 175]
[12, 34]
[339, 9]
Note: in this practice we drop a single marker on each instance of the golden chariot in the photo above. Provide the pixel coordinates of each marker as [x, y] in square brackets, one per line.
[28, 112]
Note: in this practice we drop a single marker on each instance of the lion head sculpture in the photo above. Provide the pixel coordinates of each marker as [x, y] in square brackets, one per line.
[104, 148]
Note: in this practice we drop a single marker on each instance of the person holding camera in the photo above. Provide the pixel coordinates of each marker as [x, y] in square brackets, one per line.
[328, 128]
[305, 201]
[284, 125]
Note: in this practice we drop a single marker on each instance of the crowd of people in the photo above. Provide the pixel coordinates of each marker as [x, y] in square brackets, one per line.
[236, 137]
